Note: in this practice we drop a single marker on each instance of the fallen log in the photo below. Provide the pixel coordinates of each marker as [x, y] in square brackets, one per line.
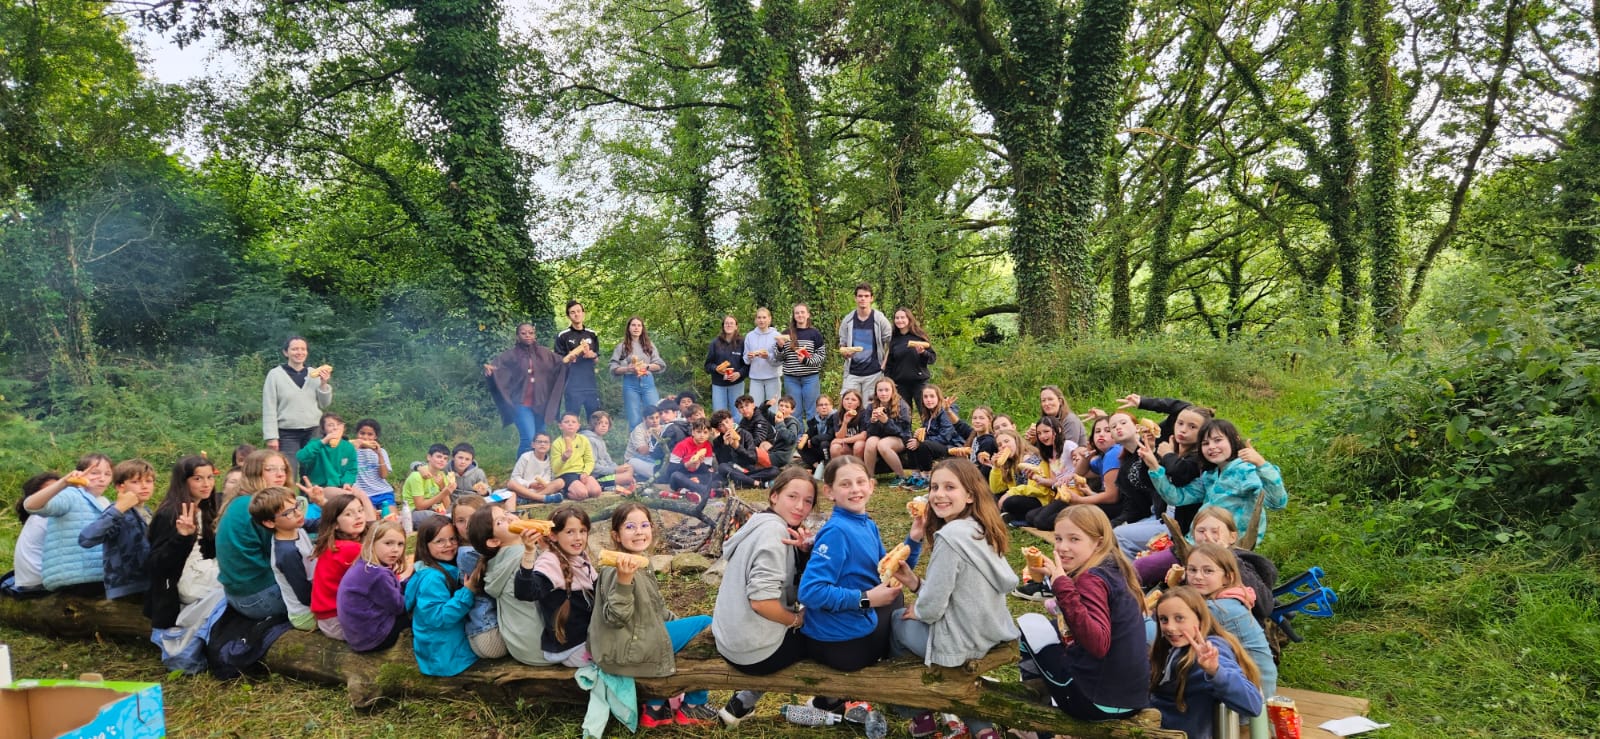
[370, 679]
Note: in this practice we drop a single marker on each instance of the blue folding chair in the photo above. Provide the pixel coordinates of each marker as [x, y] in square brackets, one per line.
[1307, 595]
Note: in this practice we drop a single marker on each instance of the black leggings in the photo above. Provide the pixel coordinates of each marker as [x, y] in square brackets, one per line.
[699, 482]
[854, 654]
[927, 454]
[1019, 506]
[747, 479]
[794, 648]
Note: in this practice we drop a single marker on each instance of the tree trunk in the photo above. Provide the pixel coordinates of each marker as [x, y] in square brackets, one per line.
[458, 68]
[780, 170]
[1088, 119]
[393, 675]
[1383, 172]
[1579, 174]
[1339, 187]
[1158, 286]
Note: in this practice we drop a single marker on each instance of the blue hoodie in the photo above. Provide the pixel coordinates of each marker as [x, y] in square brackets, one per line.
[1201, 692]
[438, 621]
[842, 568]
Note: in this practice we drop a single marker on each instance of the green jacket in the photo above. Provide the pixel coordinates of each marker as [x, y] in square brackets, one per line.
[630, 635]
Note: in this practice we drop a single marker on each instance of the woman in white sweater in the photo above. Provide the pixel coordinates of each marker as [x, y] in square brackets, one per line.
[293, 398]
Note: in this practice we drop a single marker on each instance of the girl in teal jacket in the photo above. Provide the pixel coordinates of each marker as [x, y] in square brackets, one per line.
[439, 601]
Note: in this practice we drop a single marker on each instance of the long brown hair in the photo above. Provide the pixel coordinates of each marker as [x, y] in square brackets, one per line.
[558, 522]
[913, 326]
[1093, 522]
[982, 510]
[480, 531]
[644, 334]
[620, 517]
[178, 494]
[922, 408]
[426, 533]
[1208, 628]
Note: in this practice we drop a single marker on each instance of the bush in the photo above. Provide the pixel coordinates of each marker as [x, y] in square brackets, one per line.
[1494, 436]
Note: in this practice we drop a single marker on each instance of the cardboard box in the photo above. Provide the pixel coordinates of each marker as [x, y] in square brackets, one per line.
[79, 709]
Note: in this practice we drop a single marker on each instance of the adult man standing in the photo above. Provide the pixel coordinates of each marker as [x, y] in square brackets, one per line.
[578, 347]
[525, 382]
[864, 343]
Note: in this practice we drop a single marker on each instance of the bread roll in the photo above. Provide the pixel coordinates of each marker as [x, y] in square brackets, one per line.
[610, 558]
[917, 508]
[545, 528]
[1034, 557]
[892, 562]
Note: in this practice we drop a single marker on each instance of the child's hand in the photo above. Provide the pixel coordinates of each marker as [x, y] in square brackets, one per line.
[1149, 457]
[1249, 455]
[1131, 400]
[799, 538]
[188, 521]
[882, 595]
[426, 472]
[913, 444]
[1049, 571]
[1205, 653]
[127, 500]
[313, 492]
[1174, 576]
[626, 567]
[488, 370]
[1031, 435]
[473, 581]
[1094, 414]
[984, 457]
[1165, 448]
[907, 577]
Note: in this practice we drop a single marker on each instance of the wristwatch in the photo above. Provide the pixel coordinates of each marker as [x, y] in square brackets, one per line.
[865, 602]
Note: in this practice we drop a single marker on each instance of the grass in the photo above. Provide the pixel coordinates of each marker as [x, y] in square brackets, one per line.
[1443, 642]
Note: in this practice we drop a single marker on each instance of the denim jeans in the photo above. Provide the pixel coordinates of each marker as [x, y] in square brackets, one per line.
[805, 389]
[529, 425]
[264, 604]
[638, 393]
[761, 390]
[722, 399]
[681, 631]
[583, 401]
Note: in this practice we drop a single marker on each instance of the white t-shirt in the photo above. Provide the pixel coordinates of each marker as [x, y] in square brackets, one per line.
[529, 468]
[28, 557]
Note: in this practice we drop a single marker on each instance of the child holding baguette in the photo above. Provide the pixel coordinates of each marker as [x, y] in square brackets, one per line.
[960, 612]
[636, 634]
[848, 603]
[504, 552]
[562, 581]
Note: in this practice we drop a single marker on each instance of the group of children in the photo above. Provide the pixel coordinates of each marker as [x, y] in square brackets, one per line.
[328, 552]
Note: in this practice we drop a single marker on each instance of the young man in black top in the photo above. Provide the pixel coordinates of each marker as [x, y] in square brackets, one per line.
[578, 346]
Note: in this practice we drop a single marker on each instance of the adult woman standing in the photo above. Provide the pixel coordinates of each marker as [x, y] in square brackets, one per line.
[761, 354]
[293, 398]
[803, 353]
[526, 382]
[725, 364]
[636, 361]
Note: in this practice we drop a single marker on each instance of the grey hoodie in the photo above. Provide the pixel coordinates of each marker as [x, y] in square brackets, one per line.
[521, 621]
[965, 627]
[760, 567]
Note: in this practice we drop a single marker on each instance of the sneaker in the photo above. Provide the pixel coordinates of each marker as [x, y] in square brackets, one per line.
[554, 498]
[692, 496]
[831, 705]
[900, 482]
[923, 725]
[739, 706]
[1034, 591]
[653, 715]
[919, 483]
[877, 725]
[671, 495]
[694, 714]
[954, 727]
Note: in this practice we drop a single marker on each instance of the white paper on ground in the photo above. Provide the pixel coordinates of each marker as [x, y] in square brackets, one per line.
[1350, 726]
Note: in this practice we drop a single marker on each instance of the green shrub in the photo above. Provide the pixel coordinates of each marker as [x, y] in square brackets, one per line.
[1493, 436]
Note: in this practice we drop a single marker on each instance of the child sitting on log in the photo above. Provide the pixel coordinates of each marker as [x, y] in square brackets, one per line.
[67, 506]
[561, 581]
[121, 532]
[439, 600]
[636, 634]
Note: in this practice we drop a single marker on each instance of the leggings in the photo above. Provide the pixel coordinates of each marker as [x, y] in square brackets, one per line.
[854, 654]
[1042, 645]
[927, 454]
[699, 482]
[794, 648]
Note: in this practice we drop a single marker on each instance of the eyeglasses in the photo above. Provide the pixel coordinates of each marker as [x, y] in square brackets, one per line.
[299, 509]
[636, 526]
[275, 469]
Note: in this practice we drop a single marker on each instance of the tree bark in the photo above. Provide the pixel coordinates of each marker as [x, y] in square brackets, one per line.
[1383, 171]
[393, 675]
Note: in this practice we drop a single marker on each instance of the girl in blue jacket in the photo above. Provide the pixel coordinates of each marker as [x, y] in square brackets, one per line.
[1195, 664]
[439, 602]
[847, 608]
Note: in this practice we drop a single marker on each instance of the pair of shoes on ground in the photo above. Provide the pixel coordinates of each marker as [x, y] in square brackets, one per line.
[654, 715]
[913, 482]
[681, 494]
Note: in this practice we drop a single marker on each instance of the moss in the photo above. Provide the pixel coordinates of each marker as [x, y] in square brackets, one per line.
[393, 677]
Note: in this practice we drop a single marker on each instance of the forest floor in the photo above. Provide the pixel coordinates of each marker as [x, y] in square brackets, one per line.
[1443, 643]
